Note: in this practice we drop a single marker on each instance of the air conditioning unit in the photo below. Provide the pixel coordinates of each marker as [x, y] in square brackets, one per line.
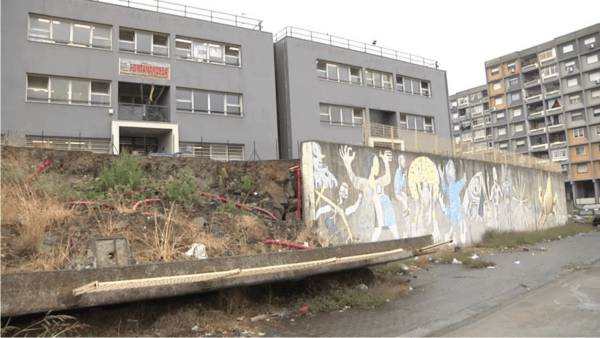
[493, 108]
[590, 46]
[570, 69]
[512, 70]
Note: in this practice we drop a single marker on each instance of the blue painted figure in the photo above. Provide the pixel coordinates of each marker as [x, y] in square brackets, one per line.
[452, 189]
[399, 183]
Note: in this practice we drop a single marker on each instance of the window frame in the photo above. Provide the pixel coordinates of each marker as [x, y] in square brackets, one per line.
[372, 74]
[574, 99]
[196, 45]
[502, 131]
[72, 25]
[580, 170]
[593, 57]
[136, 32]
[570, 82]
[569, 47]
[430, 125]
[578, 133]
[210, 110]
[69, 100]
[580, 151]
[520, 110]
[356, 121]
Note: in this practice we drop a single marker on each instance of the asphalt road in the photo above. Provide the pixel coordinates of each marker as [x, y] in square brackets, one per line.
[538, 296]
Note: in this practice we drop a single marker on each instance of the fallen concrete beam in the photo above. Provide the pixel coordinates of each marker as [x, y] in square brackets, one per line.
[24, 293]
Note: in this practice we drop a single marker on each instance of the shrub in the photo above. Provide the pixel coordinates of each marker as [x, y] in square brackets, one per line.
[182, 188]
[125, 174]
[247, 183]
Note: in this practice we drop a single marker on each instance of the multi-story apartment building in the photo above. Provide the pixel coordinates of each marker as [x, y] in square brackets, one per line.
[328, 86]
[470, 117]
[545, 102]
[92, 75]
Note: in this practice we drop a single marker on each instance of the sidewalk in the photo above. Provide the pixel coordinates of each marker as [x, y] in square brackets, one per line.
[448, 296]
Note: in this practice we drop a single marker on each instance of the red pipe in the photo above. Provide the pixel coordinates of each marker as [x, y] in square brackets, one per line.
[239, 205]
[288, 244]
[86, 203]
[147, 200]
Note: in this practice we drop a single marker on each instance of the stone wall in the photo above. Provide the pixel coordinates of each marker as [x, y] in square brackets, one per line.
[364, 194]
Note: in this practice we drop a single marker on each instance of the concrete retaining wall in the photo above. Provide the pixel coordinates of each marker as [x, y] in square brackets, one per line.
[364, 194]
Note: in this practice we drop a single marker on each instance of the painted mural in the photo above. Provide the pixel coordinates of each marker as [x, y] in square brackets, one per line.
[362, 194]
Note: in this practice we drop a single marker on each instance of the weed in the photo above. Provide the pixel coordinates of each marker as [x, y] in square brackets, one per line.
[125, 174]
[232, 209]
[493, 239]
[222, 175]
[50, 325]
[339, 298]
[247, 183]
[182, 188]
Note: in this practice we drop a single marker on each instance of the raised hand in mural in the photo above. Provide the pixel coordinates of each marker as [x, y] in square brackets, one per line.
[386, 156]
[347, 155]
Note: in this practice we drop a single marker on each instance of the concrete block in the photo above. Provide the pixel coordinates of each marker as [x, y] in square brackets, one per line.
[110, 251]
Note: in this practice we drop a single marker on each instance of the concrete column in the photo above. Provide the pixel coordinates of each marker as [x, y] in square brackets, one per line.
[596, 190]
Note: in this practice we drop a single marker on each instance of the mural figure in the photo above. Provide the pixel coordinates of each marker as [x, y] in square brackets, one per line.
[507, 198]
[474, 200]
[381, 211]
[424, 183]
[495, 196]
[322, 176]
[452, 189]
[548, 202]
[521, 201]
[332, 222]
[400, 194]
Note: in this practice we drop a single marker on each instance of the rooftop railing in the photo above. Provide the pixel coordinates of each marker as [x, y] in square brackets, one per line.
[188, 12]
[353, 45]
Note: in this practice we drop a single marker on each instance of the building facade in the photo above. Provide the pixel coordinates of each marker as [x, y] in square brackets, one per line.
[91, 75]
[545, 101]
[328, 86]
[470, 117]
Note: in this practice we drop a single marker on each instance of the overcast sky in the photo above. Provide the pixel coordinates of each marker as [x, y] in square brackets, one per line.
[460, 35]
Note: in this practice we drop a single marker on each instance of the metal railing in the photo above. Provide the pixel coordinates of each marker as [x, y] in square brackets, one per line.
[426, 142]
[166, 7]
[143, 112]
[353, 45]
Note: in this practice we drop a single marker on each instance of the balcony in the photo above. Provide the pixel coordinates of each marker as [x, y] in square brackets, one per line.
[556, 127]
[477, 114]
[587, 200]
[558, 144]
[537, 131]
[143, 112]
[529, 67]
[552, 94]
[531, 82]
[539, 147]
[479, 138]
[550, 77]
[536, 115]
[553, 111]
[463, 118]
[478, 126]
[533, 98]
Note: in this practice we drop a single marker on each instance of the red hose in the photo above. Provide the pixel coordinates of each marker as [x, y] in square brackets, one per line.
[288, 244]
[239, 205]
[87, 203]
[147, 200]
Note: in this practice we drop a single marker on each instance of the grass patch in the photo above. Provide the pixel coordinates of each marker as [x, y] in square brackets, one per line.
[125, 174]
[339, 298]
[247, 183]
[465, 258]
[182, 188]
[493, 239]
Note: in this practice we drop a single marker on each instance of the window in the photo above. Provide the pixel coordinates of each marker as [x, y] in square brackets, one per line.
[400, 85]
[511, 67]
[596, 94]
[425, 88]
[595, 77]
[499, 100]
[495, 71]
[476, 97]
[592, 59]
[549, 71]
[208, 51]
[499, 116]
[378, 79]
[576, 116]
[518, 128]
[463, 100]
[52, 89]
[338, 72]
[572, 82]
[517, 112]
[547, 55]
[513, 81]
[596, 111]
[205, 102]
[456, 127]
[454, 115]
[589, 41]
[567, 49]
[497, 85]
[428, 123]
[516, 96]
[598, 130]
[561, 153]
[582, 168]
[69, 32]
[453, 104]
[480, 134]
[579, 151]
[574, 99]
[520, 143]
[143, 42]
[341, 115]
[501, 131]
[477, 109]
[578, 133]
[503, 145]
[467, 137]
[403, 121]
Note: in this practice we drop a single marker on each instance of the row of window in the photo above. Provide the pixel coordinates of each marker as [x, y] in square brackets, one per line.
[84, 34]
[54, 89]
[353, 75]
[206, 102]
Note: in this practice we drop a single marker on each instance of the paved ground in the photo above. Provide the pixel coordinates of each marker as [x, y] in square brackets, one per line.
[448, 298]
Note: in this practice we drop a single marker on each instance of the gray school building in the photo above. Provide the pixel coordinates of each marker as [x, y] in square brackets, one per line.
[98, 76]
